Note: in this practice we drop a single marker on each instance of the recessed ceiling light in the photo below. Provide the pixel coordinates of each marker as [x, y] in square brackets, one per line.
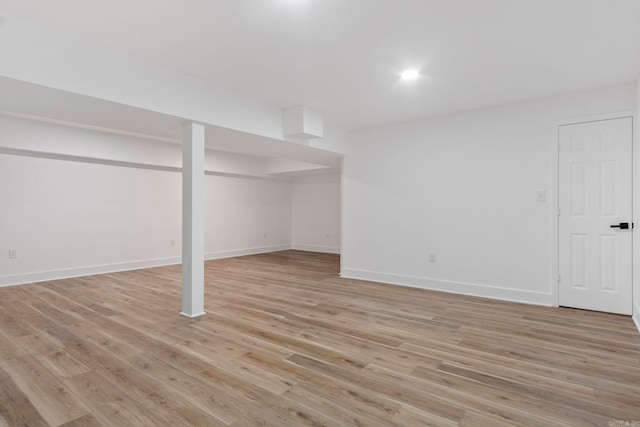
[410, 74]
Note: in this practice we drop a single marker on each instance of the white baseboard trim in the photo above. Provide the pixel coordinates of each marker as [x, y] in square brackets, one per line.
[472, 289]
[242, 252]
[44, 276]
[636, 317]
[192, 316]
[314, 248]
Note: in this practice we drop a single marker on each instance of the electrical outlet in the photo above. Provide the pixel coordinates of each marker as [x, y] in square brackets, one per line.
[541, 196]
[13, 253]
[328, 236]
[172, 242]
[265, 235]
[432, 257]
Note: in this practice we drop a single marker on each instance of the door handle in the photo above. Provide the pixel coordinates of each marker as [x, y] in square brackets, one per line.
[622, 226]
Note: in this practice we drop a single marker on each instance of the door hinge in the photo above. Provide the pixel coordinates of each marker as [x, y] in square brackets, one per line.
[558, 211]
[558, 278]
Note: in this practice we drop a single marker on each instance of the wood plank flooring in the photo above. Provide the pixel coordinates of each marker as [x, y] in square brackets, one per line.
[286, 342]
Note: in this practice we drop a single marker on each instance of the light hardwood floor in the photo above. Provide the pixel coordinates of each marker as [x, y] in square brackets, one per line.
[286, 342]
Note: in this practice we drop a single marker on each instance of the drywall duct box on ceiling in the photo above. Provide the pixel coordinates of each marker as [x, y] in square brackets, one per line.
[302, 123]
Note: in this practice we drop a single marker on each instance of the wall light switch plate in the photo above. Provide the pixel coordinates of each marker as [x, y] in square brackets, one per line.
[541, 196]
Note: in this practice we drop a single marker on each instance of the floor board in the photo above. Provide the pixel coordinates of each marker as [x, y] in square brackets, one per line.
[286, 342]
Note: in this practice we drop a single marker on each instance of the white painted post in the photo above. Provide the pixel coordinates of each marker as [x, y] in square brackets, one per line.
[193, 219]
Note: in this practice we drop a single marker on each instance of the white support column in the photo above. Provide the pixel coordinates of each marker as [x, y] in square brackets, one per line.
[193, 220]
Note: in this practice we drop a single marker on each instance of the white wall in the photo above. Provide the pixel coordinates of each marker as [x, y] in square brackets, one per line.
[246, 216]
[65, 218]
[636, 240]
[461, 187]
[72, 218]
[316, 213]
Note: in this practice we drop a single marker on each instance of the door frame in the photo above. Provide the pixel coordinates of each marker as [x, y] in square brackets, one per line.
[555, 196]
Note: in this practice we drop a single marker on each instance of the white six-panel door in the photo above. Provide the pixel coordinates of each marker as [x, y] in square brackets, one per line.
[595, 192]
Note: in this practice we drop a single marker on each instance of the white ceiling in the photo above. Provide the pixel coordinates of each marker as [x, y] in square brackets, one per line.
[343, 57]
